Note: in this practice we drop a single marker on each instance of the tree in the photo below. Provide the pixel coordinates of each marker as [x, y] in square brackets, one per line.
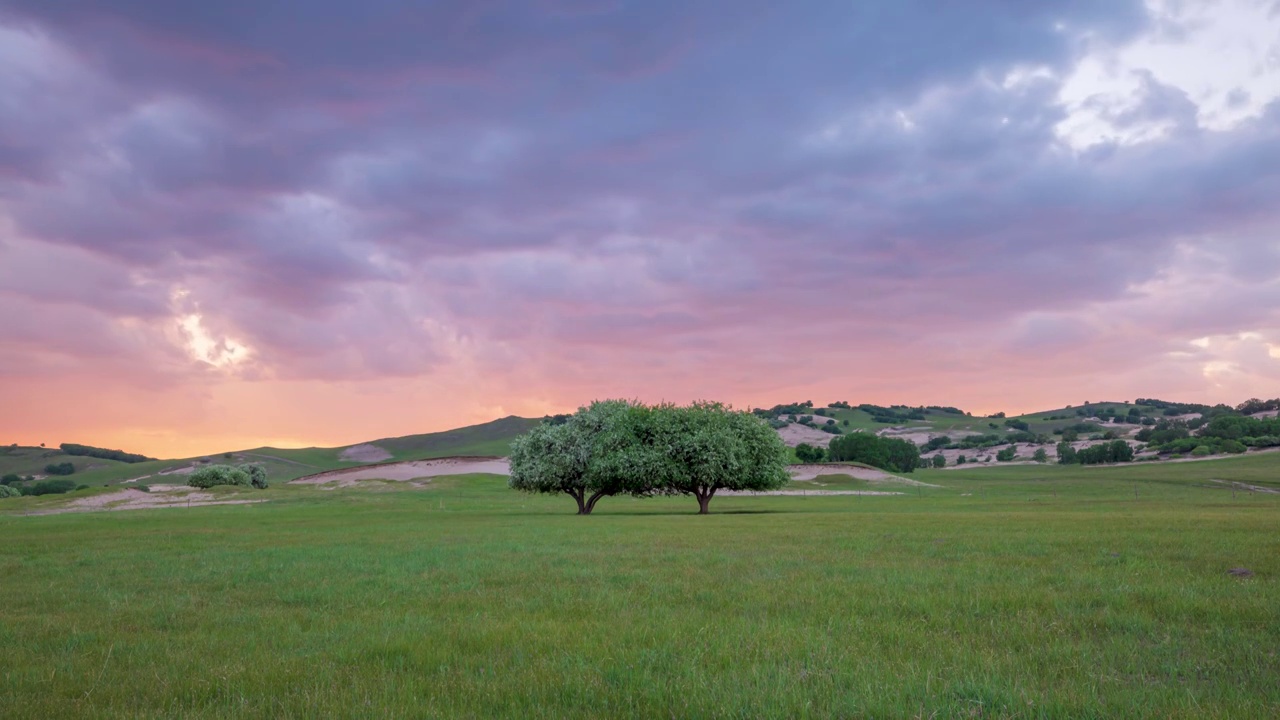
[708, 446]
[257, 475]
[939, 461]
[1007, 454]
[8, 492]
[213, 475]
[1040, 456]
[890, 454]
[65, 468]
[962, 460]
[807, 453]
[1066, 453]
[589, 456]
[10, 479]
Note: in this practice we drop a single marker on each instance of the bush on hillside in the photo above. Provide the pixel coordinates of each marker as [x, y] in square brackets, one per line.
[807, 453]
[832, 429]
[939, 461]
[65, 468]
[214, 475]
[1007, 454]
[1041, 456]
[889, 454]
[8, 492]
[50, 487]
[1201, 451]
[10, 479]
[257, 475]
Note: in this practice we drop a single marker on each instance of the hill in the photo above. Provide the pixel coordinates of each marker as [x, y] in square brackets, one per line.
[283, 464]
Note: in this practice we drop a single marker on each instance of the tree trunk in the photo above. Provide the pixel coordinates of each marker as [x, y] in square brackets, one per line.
[577, 495]
[591, 502]
[704, 500]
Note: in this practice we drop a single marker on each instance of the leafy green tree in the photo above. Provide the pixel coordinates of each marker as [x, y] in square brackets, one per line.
[939, 461]
[257, 475]
[708, 446]
[807, 453]
[588, 456]
[65, 468]
[962, 460]
[1007, 454]
[890, 454]
[1066, 453]
[213, 475]
[10, 479]
[1040, 456]
[8, 492]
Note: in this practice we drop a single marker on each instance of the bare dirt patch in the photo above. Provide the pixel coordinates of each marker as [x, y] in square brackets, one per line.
[406, 471]
[1246, 486]
[365, 453]
[804, 493]
[810, 472]
[131, 499]
[795, 433]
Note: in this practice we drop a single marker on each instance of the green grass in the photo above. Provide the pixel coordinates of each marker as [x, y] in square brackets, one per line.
[1030, 592]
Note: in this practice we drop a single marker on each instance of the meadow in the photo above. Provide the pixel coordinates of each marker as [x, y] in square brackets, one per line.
[1021, 592]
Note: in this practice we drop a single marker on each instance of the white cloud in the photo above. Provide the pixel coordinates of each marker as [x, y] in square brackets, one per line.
[1223, 54]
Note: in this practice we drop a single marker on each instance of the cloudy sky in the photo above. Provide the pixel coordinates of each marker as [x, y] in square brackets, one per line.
[224, 224]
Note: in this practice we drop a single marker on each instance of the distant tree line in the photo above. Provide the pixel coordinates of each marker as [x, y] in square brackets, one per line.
[102, 453]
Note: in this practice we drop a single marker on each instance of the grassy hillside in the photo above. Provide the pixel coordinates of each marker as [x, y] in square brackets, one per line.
[491, 438]
[1037, 592]
[21, 460]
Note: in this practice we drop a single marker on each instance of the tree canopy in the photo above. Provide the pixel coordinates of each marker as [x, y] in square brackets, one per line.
[618, 447]
[890, 454]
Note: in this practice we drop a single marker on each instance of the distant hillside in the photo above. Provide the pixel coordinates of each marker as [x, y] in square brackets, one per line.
[491, 438]
[283, 464]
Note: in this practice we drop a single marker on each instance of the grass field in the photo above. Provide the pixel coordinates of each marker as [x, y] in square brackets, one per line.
[1030, 592]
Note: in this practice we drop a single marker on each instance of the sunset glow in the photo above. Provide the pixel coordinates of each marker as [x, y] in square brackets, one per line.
[223, 227]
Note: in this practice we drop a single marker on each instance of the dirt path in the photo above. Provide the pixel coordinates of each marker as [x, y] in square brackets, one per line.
[805, 493]
[277, 459]
[164, 496]
[365, 453]
[809, 472]
[412, 470]
[1246, 486]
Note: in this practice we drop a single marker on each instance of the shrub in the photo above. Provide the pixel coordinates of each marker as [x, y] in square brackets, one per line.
[833, 429]
[890, 454]
[1007, 454]
[807, 453]
[257, 475]
[10, 479]
[143, 488]
[1040, 456]
[50, 487]
[1232, 446]
[212, 475]
[831, 421]
[939, 461]
[65, 468]
[1201, 451]
[962, 460]
[8, 492]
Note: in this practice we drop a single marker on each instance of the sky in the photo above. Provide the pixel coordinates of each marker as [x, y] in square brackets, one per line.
[317, 222]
